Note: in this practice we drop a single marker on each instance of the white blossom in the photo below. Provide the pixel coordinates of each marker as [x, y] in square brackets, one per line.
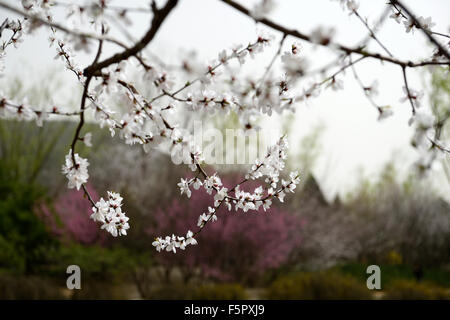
[397, 16]
[385, 112]
[184, 187]
[145, 113]
[262, 8]
[413, 95]
[77, 173]
[87, 139]
[336, 84]
[322, 35]
[110, 214]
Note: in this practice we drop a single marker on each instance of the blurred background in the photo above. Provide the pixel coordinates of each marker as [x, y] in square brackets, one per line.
[360, 202]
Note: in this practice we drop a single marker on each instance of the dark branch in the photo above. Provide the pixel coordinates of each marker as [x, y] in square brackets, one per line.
[348, 50]
[427, 33]
[158, 18]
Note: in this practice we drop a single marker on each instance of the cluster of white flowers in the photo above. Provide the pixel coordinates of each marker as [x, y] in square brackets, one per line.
[16, 28]
[206, 217]
[242, 98]
[409, 23]
[171, 243]
[77, 173]
[65, 53]
[268, 168]
[372, 90]
[87, 139]
[294, 64]
[335, 84]
[110, 214]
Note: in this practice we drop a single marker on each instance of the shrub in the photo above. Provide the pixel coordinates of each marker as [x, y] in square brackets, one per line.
[69, 218]
[438, 276]
[413, 290]
[319, 285]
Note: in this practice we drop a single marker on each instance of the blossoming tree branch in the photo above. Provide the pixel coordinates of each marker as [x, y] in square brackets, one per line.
[210, 89]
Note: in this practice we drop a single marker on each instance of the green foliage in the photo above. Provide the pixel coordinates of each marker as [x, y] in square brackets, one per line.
[24, 238]
[440, 103]
[25, 149]
[412, 290]
[319, 285]
[440, 92]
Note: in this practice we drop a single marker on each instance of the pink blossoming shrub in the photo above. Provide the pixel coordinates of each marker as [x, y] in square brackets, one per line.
[68, 218]
[238, 246]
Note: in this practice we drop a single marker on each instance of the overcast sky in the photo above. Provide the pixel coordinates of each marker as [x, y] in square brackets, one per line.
[353, 142]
